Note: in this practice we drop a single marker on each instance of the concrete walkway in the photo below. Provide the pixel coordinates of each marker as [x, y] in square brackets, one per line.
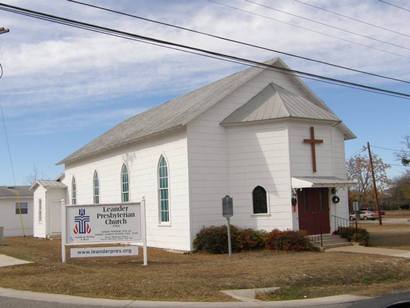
[76, 301]
[10, 261]
[373, 251]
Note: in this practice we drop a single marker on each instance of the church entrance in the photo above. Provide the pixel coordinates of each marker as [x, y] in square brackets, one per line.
[313, 208]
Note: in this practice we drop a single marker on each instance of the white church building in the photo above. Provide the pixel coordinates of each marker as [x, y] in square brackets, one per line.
[260, 136]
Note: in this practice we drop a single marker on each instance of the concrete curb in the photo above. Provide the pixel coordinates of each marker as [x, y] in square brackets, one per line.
[77, 300]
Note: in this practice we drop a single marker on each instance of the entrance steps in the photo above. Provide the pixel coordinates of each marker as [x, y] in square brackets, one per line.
[328, 241]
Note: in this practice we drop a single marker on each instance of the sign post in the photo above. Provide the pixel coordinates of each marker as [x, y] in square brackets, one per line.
[357, 212]
[227, 212]
[119, 224]
[63, 231]
[144, 231]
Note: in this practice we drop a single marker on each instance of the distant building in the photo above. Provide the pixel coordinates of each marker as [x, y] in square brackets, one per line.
[259, 135]
[47, 207]
[16, 210]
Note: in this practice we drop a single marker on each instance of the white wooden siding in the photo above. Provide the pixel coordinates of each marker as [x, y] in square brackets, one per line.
[330, 160]
[217, 155]
[40, 227]
[142, 162]
[12, 221]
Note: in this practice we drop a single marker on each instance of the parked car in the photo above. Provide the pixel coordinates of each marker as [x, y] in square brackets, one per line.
[373, 210]
[365, 215]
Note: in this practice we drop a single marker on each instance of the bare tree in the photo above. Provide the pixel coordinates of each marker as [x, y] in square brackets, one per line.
[404, 154]
[359, 170]
[33, 176]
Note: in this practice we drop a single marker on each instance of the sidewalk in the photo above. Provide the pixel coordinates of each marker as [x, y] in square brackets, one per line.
[100, 302]
[373, 251]
[10, 261]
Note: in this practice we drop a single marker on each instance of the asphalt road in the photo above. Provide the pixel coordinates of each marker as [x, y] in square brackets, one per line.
[380, 302]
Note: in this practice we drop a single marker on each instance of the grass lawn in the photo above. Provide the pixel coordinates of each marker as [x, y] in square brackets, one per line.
[200, 277]
[398, 214]
[389, 235]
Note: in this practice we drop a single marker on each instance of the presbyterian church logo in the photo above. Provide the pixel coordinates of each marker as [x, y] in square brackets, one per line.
[82, 225]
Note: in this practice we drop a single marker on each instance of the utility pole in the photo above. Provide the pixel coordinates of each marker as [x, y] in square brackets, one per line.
[374, 184]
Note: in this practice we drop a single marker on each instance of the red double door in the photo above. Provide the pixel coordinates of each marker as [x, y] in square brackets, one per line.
[313, 208]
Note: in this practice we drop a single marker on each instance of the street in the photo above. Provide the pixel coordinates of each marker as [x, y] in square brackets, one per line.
[379, 302]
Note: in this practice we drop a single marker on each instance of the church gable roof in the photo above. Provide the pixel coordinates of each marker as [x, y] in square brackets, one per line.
[168, 116]
[275, 102]
[178, 112]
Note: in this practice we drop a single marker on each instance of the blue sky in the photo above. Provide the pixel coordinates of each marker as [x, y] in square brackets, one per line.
[62, 87]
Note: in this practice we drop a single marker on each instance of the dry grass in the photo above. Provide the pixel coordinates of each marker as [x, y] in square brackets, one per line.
[398, 214]
[389, 235]
[197, 276]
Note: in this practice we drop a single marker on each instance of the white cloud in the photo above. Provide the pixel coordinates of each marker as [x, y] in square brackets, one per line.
[51, 67]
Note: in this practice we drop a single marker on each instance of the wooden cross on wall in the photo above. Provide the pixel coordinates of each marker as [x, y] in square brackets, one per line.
[312, 141]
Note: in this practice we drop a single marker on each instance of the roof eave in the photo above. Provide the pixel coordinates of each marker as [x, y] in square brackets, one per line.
[67, 160]
[239, 123]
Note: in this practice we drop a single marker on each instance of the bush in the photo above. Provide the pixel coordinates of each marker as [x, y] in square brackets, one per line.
[289, 241]
[214, 239]
[349, 233]
[251, 239]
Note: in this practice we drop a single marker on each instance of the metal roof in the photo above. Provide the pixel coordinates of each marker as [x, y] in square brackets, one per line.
[275, 102]
[15, 191]
[47, 184]
[177, 113]
[320, 181]
[163, 118]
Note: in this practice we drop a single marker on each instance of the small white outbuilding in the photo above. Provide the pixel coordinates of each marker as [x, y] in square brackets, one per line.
[47, 207]
[16, 210]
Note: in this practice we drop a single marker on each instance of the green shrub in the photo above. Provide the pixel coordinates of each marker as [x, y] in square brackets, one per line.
[289, 241]
[349, 233]
[214, 239]
[251, 239]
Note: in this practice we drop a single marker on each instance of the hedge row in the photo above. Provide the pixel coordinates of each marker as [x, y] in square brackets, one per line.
[214, 239]
[349, 233]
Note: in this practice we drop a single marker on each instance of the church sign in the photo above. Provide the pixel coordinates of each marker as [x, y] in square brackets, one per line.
[93, 252]
[103, 223]
[95, 224]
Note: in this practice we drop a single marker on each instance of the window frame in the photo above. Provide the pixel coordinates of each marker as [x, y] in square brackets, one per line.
[73, 191]
[19, 208]
[96, 188]
[40, 211]
[123, 192]
[267, 213]
[160, 221]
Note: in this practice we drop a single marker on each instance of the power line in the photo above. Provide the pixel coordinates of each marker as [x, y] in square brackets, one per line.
[189, 49]
[395, 5]
[308, 29]
[327, 25]
[352, 18]
[235, 41]
[362, 149]
[385, 148]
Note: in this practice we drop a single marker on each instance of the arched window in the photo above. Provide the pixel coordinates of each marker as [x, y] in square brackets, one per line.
[73, 192]
[96, 188]
[125, 195]
[163, 196]
[259, 198]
